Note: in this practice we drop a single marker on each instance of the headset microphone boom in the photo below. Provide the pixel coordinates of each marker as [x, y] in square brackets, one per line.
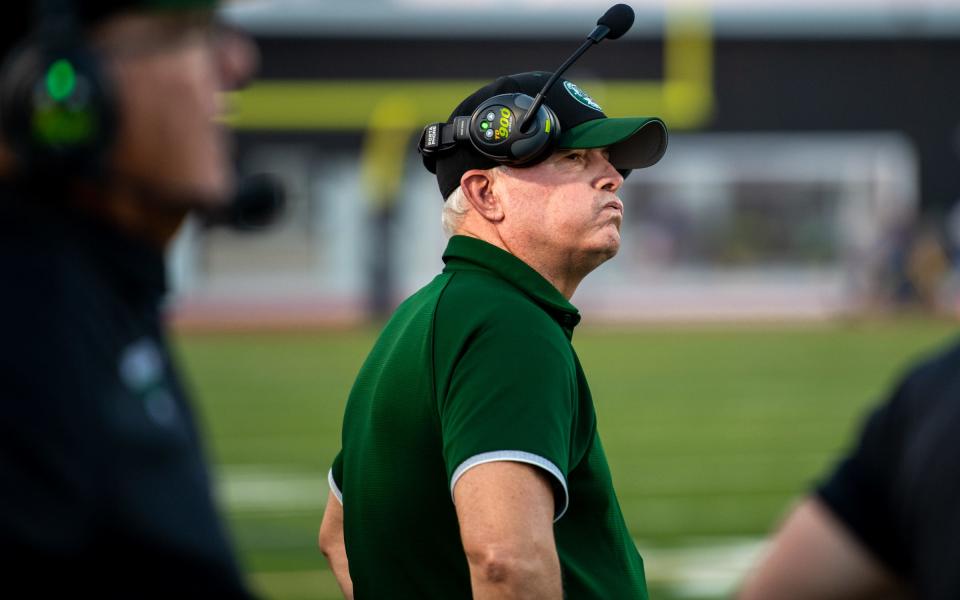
[525, 130]
[613, 24]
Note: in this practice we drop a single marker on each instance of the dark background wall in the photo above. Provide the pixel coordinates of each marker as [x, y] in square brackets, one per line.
[902, 84]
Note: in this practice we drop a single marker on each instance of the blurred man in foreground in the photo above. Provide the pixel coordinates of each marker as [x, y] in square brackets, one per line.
[886, 522]
[471, 463]
[109, 139]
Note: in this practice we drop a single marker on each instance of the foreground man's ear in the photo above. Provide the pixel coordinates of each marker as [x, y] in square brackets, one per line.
[477, 186]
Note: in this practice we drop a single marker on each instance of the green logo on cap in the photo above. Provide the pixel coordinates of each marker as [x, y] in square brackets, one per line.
[581, 96]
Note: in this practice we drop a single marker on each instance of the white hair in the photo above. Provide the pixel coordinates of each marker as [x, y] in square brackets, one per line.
[456, 207]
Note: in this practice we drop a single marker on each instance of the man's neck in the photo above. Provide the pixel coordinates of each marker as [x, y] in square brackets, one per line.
[125, 208]
[564, 280]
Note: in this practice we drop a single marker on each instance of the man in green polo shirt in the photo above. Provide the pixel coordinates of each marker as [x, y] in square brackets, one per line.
[471, 463]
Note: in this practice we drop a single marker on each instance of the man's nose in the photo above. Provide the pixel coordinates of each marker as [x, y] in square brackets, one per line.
[238, 58]
[611, 179]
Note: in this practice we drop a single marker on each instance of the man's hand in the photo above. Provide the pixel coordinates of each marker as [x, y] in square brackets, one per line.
[506, 513]
[814, 557]
[332, 545]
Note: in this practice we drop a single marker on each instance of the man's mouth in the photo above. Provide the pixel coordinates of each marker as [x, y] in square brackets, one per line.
[615, 204]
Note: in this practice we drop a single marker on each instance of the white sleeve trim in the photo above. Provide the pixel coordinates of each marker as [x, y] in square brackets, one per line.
[333, 487]
[514, 456]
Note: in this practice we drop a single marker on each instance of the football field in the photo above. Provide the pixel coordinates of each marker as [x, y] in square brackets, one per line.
[711, 432]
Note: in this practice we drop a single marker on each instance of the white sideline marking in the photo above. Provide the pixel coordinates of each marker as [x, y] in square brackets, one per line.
[257, 488]
[702, 567]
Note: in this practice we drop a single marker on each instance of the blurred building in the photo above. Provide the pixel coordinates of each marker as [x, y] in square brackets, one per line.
[806, 140]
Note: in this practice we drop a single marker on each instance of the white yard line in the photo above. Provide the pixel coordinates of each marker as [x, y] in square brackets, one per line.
[702, 568]
[252, 488]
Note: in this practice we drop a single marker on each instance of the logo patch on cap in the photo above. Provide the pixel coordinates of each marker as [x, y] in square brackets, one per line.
[581, 96]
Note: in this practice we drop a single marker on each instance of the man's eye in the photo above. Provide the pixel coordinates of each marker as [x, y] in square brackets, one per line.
[574, 156]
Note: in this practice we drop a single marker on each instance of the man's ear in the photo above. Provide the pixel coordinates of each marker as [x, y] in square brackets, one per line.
[477, 186]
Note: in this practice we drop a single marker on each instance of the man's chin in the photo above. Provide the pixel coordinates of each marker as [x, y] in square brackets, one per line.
[613, 243]
[604, 251]
[612, 250]
[201, 194]
[213, 190]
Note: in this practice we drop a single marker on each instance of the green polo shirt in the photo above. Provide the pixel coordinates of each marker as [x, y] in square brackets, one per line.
[475, 367]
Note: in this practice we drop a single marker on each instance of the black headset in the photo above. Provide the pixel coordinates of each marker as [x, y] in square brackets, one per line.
[496, 129]
[515, 129]
[57, 109]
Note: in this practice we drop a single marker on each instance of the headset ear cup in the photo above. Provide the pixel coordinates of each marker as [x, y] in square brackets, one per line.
[494, 131]
[528, 151]
[491, 126]
[57, 111]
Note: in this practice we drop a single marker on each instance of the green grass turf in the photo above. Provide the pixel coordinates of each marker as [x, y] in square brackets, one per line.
[710, 431]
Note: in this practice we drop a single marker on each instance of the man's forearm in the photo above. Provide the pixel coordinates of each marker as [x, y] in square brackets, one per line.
[814, 556]
[333, 547]
[337, 557]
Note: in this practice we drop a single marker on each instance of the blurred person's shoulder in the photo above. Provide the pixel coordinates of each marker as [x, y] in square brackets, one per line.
[932, 381]
[49, 356]
[35, 251]
[53, 291]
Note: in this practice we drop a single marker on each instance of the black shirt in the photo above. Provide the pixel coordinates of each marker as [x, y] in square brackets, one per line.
[104, 484]
[899, 489]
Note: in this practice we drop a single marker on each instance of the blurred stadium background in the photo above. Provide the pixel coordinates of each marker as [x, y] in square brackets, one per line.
[793, 250]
